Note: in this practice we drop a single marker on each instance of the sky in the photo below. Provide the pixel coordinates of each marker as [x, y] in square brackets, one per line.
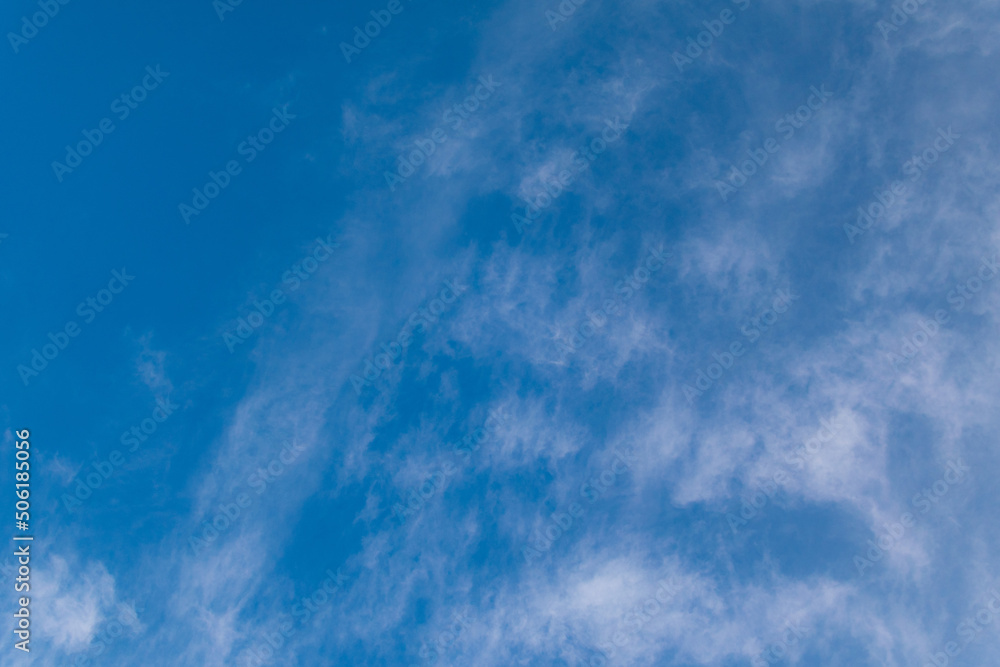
[502, 333]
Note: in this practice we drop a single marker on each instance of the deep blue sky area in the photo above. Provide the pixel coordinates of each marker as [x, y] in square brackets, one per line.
[503, 333]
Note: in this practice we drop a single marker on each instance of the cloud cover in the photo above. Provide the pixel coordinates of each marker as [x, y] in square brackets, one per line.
[536, 548]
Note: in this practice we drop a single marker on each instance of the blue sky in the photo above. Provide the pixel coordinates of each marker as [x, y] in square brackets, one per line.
[518, 333]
